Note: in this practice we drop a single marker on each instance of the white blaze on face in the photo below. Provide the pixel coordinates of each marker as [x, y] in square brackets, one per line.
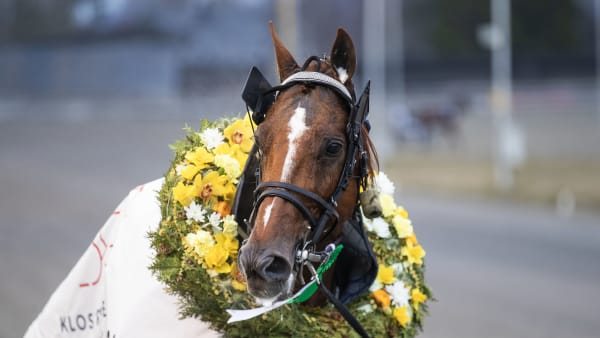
[297, 127]
[267, 214]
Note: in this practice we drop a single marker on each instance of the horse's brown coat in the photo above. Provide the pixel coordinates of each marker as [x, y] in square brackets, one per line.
[268, 256]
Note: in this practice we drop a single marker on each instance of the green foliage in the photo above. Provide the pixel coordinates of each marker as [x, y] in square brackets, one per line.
[207, 298]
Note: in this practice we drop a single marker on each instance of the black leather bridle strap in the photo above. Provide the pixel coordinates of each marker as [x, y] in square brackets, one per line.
[288, 192]
[353, 130]
[306, 193]
[290, 198]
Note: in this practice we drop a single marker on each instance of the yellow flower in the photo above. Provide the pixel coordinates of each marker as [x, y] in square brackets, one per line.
[418, 298]
[240, 133]
[401, 315]
[199, 157]
[228, 243]
[230, 190]
[412, 239]
[239, 286]
[388, 206]
[189, 171]
[216, 259]
[385, 274]
[233, 151]
[230, 225]
[237, 280]
[213, 185]
[199, 243]
[382, 298]
[402, 225]
[230, 165]
[400, 211]
[184, 194]
[414, 253]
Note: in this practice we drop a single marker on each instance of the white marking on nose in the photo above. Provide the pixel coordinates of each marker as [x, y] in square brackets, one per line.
[267, 214]
[297, 126]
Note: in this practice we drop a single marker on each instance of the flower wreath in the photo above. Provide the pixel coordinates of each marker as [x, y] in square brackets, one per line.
[196, 248]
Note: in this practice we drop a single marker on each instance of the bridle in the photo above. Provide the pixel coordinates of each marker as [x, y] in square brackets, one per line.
[355, 153]
[259, 96]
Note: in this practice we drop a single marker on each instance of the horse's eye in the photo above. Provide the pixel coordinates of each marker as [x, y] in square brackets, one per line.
[333, 147]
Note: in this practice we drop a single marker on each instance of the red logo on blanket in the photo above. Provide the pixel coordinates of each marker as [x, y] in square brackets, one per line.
[101, 260]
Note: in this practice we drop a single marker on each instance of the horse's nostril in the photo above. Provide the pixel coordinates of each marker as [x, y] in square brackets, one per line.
[275, 268]
[267, 267]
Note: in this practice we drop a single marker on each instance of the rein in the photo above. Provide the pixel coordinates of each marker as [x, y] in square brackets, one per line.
[259, 97]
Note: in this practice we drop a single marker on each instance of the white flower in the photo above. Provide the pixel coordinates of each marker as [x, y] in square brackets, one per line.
[215, 221]
[375, 286]
[398, 269]
[230, 165]
[384, 184]
[211, 138]
[367, 222]
[195, 212]
[399, 293]
[381, 228]
[366, 308]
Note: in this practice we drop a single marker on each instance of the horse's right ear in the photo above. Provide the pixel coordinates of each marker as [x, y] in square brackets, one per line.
[286, 65]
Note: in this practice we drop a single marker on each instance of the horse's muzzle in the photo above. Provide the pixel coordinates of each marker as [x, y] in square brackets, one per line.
[268, 273]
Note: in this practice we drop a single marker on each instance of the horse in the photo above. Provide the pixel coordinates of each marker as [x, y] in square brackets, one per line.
[313, 156]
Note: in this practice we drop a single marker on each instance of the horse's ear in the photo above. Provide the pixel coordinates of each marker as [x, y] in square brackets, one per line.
[343, 56]
[286, 65]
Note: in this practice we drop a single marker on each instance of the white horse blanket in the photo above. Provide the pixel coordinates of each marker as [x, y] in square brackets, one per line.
[110, 293]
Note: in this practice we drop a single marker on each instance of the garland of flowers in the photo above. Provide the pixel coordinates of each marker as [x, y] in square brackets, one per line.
[196, 249]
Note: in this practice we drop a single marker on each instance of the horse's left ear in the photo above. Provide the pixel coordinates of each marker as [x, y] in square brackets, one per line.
[343, 56]
[286, 65]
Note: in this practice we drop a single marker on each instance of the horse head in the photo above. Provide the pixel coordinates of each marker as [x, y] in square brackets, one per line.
[309, 167]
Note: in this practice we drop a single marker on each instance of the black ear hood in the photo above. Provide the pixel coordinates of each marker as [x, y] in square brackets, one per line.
[356, 267]
[258, 95]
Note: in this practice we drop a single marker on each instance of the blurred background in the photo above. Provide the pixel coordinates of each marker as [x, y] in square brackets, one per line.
[485, 113]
